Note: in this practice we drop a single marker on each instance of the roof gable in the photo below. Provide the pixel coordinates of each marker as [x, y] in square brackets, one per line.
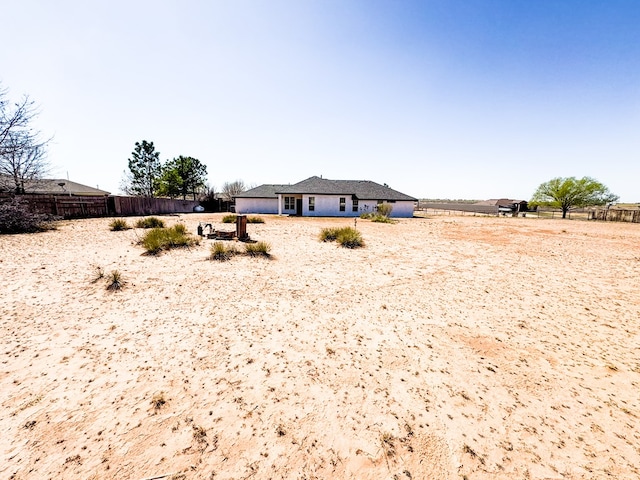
[263, 191]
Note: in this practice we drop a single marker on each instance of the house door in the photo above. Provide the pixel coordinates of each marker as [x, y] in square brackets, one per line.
[298, 206]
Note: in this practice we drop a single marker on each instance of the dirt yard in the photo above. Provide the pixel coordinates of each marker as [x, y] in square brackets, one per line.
[447, 348]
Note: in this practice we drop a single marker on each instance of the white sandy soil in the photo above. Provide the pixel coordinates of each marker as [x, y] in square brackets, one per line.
[447, 348]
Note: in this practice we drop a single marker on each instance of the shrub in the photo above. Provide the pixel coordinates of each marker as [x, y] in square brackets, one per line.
[350, 238]
[180, 228]
[158, 239]
[229, 219]
[150, 222]
[329, 234]
[384, 209]
[220, 252]
[119, 224]
[258, 249]
[255, 220]
[381, 219]
[153, 241]
[381, 215]
[15, 217]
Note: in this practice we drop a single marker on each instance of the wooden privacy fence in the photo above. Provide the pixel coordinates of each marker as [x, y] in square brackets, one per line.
[81, 206]
[615, 215]
[64, 205]
[148, 206]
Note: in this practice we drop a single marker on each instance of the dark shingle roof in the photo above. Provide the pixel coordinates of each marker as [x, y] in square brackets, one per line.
[263, 191]
[362, 189]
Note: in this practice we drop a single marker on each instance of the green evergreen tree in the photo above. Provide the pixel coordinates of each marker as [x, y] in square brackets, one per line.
[170, 183]
[144, 171]
[183, 176]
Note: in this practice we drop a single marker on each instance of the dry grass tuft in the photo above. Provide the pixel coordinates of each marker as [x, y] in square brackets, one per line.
[98, 274]
[158, 400]
[115, 281]
[199, 434]
[220, 252]
[387, 441]
[150, 222]
[119, 224]
[158, 239]
[258, 249]
[347, 237]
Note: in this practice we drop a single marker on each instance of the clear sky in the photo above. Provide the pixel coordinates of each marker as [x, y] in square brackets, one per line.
[437, 98]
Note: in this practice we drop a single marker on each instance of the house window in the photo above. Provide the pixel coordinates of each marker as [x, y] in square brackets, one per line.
[289, 203]
[312, 204]
[343, 204]
[355, 205]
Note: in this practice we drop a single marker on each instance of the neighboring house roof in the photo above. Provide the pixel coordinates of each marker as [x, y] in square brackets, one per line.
[499, 201]
[263, 191]
[55, 186]
[362, 189]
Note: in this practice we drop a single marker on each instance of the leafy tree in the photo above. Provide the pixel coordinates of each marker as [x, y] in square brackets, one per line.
[144, 173]
[22, 151]
[231, 189]
[183, 176]
[567, 193]
[170, 183]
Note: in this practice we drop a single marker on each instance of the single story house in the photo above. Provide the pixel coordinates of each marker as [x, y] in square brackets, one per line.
[506, 204]
[320, 197]
[51, 186]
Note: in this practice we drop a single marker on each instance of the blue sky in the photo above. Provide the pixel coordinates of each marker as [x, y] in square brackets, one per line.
[437, 98]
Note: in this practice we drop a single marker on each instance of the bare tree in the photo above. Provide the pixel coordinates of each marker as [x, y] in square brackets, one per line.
[20, 165]
[209, 194]
[231, 189]
[126, 183]
[22, 151]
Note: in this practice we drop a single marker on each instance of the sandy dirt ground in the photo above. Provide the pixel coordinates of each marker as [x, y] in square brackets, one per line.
[447, 348]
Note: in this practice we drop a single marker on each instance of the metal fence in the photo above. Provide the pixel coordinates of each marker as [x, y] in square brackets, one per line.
[597, 213]
[456, 208]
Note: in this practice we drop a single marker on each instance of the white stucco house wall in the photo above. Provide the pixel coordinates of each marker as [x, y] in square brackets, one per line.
[321, 197]
[262, 199]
